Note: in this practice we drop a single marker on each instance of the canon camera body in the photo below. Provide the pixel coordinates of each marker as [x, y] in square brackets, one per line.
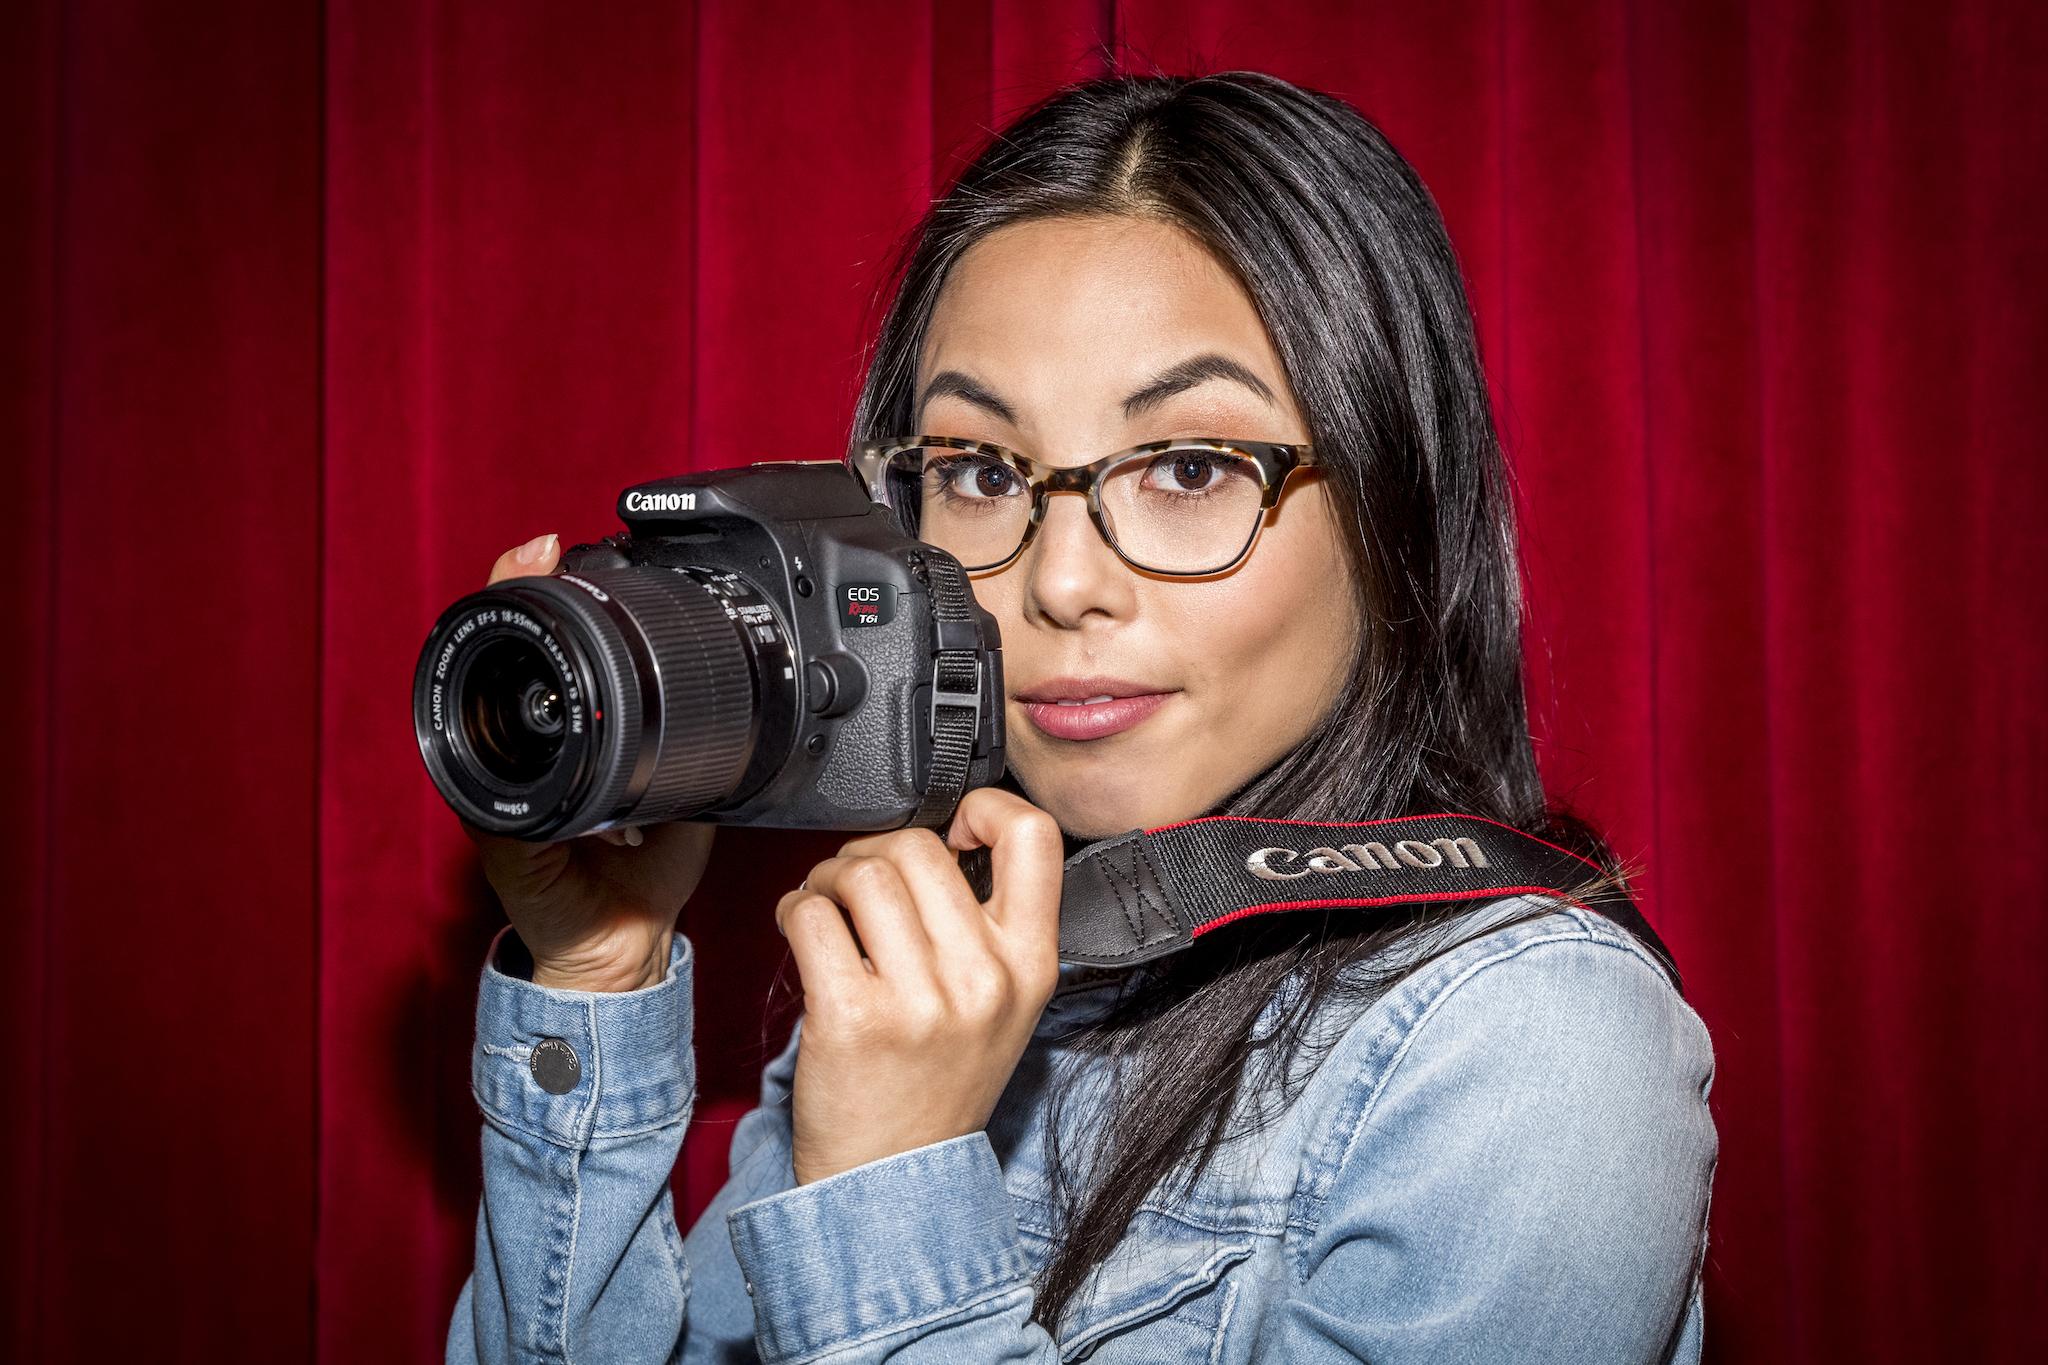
[763, 645]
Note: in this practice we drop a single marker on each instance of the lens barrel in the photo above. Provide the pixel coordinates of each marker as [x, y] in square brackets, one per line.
[554, 705]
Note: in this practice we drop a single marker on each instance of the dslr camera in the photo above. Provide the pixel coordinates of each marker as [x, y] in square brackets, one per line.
[763, 645]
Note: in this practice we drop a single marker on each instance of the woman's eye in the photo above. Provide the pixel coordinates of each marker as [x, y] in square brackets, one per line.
[974, 477]
[1197, 472]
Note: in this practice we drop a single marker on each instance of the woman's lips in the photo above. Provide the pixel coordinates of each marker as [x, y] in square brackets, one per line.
[1092, 719]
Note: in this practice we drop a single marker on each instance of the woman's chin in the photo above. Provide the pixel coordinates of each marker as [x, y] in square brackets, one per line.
[1087, 813]
[1089, 833]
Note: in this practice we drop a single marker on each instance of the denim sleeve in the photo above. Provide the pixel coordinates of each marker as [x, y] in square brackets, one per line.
[578, 1257]
[912, 1257]
[722, 1310]
[1521, 1171]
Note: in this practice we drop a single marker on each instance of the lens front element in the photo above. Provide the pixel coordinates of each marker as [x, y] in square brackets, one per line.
[511, 710]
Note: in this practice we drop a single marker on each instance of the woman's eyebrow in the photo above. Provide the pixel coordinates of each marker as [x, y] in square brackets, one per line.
[1190, 372]
[1175, 379]
[955, 384]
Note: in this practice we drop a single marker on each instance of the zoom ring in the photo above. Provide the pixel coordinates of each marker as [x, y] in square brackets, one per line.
[615, 662]
[707, 701]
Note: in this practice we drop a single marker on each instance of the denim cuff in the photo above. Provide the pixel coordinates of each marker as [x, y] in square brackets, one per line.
[622, 1061]
[889, 1245]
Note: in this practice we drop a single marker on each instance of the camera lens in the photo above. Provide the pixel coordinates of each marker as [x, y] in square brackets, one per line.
[511, 711]
[543, 708]
[549, 706]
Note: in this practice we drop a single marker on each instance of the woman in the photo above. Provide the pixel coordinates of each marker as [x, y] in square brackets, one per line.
[1456, 1132]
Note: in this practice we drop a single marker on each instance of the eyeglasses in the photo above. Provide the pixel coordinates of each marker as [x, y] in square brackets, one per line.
[1183, 507]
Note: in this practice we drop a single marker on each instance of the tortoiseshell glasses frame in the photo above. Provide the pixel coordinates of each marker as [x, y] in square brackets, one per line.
[882, 459]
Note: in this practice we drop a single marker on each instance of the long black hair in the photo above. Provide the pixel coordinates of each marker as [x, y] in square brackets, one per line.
[1343, 252]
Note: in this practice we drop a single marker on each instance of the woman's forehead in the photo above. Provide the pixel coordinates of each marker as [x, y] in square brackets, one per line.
[1066, 312]
[1050, 283]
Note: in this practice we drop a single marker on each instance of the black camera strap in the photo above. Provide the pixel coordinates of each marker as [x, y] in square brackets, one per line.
[955, 717]
[1152, 892]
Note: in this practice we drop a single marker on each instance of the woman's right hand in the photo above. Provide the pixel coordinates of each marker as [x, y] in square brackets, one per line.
[597, 912]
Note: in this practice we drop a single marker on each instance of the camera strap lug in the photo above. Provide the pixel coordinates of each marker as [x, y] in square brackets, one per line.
[954, 719]
[944, 693]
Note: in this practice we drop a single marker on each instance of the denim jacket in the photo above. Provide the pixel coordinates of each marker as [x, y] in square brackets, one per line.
[1508, 1156]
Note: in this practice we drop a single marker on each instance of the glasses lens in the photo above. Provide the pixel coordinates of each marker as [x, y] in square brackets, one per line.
[971, 505]
[1183, 511]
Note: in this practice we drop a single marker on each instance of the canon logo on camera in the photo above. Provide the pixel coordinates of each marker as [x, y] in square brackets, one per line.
[636, 501]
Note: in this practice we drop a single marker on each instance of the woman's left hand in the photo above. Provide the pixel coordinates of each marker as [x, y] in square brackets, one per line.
[914, 1042]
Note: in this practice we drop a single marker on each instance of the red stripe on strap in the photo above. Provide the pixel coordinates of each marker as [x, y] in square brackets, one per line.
[1418, 898]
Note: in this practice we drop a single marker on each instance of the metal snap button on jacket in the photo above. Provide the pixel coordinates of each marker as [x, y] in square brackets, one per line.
[555, 1066]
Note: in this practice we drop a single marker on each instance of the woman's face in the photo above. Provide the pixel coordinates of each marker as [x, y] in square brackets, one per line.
[1054, 325]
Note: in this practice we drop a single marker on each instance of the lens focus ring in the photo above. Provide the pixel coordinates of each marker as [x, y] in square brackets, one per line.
[707, 705]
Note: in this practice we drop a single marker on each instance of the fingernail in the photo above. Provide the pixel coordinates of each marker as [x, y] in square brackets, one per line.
[635, 837]
[535, 550]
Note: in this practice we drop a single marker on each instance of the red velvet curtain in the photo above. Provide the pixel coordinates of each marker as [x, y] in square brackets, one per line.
[310, 310]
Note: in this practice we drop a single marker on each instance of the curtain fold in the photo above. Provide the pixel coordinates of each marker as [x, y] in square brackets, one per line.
[311, 310]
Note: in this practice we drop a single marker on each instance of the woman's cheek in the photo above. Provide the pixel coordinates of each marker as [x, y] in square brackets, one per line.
[1273, 653]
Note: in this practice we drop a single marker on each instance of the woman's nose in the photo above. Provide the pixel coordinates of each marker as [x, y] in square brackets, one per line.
[1073, 571]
